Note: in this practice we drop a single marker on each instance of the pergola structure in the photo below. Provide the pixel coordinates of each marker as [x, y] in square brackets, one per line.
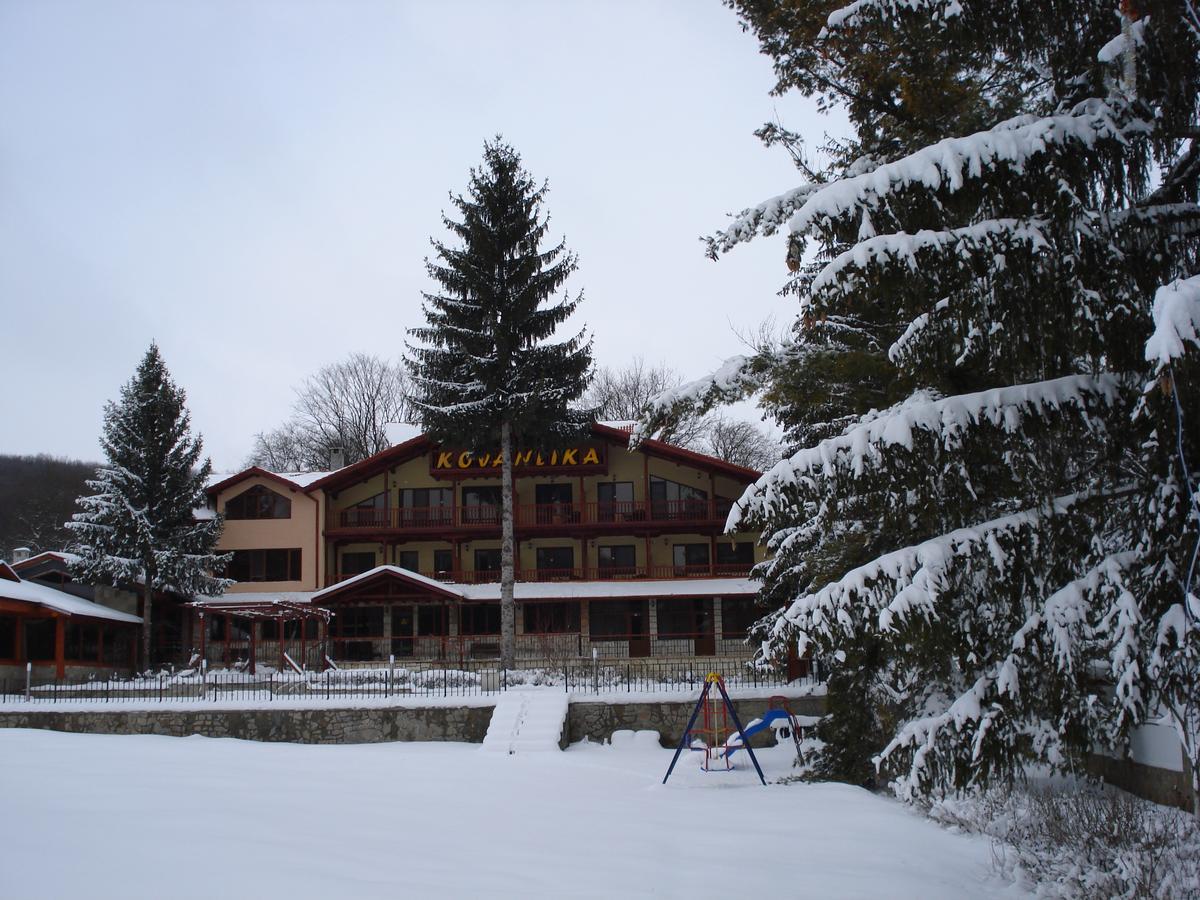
[277, 611]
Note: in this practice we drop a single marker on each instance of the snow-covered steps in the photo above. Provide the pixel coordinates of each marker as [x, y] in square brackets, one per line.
[527, 720]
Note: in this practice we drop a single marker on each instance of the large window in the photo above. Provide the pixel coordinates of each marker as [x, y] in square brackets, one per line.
[690, 559]
[81, 641]
[8, 637]
[443, 562]
[371, 512]
[552, 618]
[426, 506]
[611, 619]
[357, 562]
[555, 562]
[554, 503]
[737, 615]
[39, 639]
[432, 621]
[487, 564]
[265, 565]
[258, 503]
[359, 622]
[614, 501]
[617, 562]
[684, 617]
[481, 505]
[409, 559]
[483, 618]
[672, 500]
[736, 556]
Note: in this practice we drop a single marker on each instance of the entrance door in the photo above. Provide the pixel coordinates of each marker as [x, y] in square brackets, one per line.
[402, 631]
[639, 629]
[706, 642]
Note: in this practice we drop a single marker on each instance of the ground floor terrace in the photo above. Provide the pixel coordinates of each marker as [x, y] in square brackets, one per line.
[394, 613]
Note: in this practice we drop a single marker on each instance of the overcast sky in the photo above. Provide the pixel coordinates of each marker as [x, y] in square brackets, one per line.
[254, 186]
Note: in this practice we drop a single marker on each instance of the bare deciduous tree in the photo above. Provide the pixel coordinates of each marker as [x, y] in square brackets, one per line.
[624, 394]
[347, 405]
[739, 442]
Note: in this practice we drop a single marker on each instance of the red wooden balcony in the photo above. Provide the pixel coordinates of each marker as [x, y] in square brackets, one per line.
[615, 516]
[589, 573]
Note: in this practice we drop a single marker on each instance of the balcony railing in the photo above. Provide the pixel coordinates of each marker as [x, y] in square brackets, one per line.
[588, 573]
[538, 515]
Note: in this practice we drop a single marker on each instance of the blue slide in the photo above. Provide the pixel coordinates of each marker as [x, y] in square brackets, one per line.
[754, 728]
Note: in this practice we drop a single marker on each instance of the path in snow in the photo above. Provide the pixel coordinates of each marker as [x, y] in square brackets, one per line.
[526, 720]
[154, 817]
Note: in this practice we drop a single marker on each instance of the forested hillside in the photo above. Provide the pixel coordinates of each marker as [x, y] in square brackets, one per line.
[37, 495]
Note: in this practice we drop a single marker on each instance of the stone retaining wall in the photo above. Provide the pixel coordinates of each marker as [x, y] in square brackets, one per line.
[333, 725]
[300, 726]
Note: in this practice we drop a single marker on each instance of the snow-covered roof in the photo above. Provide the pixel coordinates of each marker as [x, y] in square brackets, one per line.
[44, 595]
[522, 590]
[303, 479]
[46, 556]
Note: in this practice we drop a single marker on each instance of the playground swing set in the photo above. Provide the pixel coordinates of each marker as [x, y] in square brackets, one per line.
[713, 737]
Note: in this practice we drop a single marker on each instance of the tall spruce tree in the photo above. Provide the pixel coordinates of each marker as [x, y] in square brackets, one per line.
[978, 558]
[140, 525]
[485, 369]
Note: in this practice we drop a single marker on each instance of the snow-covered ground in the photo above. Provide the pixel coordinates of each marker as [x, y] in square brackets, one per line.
[148, 816]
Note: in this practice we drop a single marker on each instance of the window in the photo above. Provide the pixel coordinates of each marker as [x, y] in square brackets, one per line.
[409, 559]
[379, 501]
[615, 501]
[39, 639]
[258, 503]
[118, 646]
[690, 559]
[551, 618]
[555, 562]
[684, 618]
[613, 619]
[737, 615]
[426, 506]
[357, 562]
[672, 500]
[554, 503]
[618, 562]
[487, 563]
[432, 621]
[481, 505]
[738, 557]
[443, 562]
[293, 629]
[8, 637]
[270, 630]
[482, 618]
[81, 642]
[359, 622]
[265, 565]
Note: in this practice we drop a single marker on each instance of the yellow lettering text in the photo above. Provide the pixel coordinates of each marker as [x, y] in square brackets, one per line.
[568, 457]
[591, 457]
[443, 460]
[484, 459]
[464, 459]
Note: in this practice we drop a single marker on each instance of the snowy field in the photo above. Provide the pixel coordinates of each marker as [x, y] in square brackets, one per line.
[159, 817]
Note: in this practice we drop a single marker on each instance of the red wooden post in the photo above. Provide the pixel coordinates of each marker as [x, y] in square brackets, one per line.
[253, 647]
[60, 643]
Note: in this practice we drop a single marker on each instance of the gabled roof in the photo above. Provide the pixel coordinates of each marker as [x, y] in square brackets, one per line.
[368, 467]
[293, 482]
[679, 454]
[389, 573]
[45, 556]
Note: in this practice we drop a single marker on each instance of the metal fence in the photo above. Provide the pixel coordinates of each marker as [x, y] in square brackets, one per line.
[459, 680]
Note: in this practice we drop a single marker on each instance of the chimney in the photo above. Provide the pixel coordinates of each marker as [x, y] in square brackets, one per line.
[20, 554]
[337, 458]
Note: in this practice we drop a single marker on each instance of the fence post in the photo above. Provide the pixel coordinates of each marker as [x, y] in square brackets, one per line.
[327, 684]
[160, 687]
[391, 673]
[204, 679]
[595, 671]
[28, 677]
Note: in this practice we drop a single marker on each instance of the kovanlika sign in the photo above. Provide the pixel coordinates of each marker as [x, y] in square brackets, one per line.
[580, 459]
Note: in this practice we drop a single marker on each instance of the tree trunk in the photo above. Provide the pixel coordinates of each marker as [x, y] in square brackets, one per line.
[507, 612]
[147, 618]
